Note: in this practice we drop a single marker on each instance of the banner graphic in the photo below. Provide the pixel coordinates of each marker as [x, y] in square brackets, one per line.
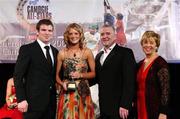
[131, 18]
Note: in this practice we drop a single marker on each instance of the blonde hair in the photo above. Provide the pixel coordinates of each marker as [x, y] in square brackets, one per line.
[79, 29]
[151, 35]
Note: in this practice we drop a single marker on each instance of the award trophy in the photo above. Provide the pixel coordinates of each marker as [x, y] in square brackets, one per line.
[71, 86]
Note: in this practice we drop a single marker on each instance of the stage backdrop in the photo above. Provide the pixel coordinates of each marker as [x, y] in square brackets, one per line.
[18, 19]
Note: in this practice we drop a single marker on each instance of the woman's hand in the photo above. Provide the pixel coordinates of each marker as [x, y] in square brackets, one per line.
[12, 106]
[76, 75]
[8, 103]
[64, 85]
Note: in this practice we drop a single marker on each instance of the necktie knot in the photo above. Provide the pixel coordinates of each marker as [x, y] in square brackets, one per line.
[47, 48]
[101, 53]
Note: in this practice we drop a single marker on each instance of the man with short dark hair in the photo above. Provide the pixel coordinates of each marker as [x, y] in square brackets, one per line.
[115, 74]
[34, 75]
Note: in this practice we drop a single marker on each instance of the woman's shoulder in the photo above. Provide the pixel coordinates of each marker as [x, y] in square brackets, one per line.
[62, 52]
[10, 81]
[87, 52]
[160, 62]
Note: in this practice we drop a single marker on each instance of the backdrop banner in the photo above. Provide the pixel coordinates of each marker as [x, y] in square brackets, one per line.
[131, 19]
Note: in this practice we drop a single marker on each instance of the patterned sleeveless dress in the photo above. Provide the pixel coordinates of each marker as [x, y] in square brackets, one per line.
[76, 104]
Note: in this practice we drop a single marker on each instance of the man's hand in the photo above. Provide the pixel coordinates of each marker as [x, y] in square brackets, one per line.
[23, 106]
[123, 113]
[162, 116]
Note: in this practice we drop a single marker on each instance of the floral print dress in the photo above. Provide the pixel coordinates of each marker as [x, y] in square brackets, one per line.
[75, 104]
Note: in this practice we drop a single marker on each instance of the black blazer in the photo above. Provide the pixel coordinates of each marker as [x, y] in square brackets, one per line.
[34, 78]
[116, 79]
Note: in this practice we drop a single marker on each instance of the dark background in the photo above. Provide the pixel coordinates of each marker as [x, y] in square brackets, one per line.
[6, 72]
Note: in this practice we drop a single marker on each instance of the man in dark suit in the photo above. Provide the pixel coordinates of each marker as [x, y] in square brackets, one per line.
[34, 75]
[115, 74]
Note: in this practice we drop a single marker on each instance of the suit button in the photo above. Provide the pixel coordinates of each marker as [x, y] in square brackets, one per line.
[50, 87]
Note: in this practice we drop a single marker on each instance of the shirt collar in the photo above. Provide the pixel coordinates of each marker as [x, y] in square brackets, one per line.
[42, 44]
[109, 49]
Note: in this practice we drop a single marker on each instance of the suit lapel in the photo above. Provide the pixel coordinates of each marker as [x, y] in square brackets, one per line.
[98, 58]
[41, 55]
[111, 54]
[54, 55]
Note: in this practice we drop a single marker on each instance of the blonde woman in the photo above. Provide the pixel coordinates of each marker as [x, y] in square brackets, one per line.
[152, 80]
[76, 64]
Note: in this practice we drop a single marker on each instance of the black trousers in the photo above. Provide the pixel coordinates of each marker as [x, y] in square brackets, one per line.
[105, 116]
[48, 113]
[132, 115]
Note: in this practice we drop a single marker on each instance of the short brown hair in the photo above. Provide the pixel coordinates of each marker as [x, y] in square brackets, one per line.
[44, 21]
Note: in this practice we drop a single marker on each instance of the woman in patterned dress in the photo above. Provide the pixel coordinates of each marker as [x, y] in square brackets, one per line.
[75, 66]
[152, 80]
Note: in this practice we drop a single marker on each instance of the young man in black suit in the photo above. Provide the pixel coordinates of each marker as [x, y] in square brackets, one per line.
[115, 74]
[34, 75]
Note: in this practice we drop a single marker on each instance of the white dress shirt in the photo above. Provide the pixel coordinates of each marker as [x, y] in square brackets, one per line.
[106, 53]
[42, 45]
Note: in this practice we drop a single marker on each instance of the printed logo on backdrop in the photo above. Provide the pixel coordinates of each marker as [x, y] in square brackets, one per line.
[28, 13]
[17, 24]
[34, 9]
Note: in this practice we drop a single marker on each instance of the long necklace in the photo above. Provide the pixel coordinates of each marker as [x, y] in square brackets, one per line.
[74, 52]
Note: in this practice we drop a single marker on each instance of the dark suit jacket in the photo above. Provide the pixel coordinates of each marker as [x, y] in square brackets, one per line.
[116, 79]
[34, 78]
